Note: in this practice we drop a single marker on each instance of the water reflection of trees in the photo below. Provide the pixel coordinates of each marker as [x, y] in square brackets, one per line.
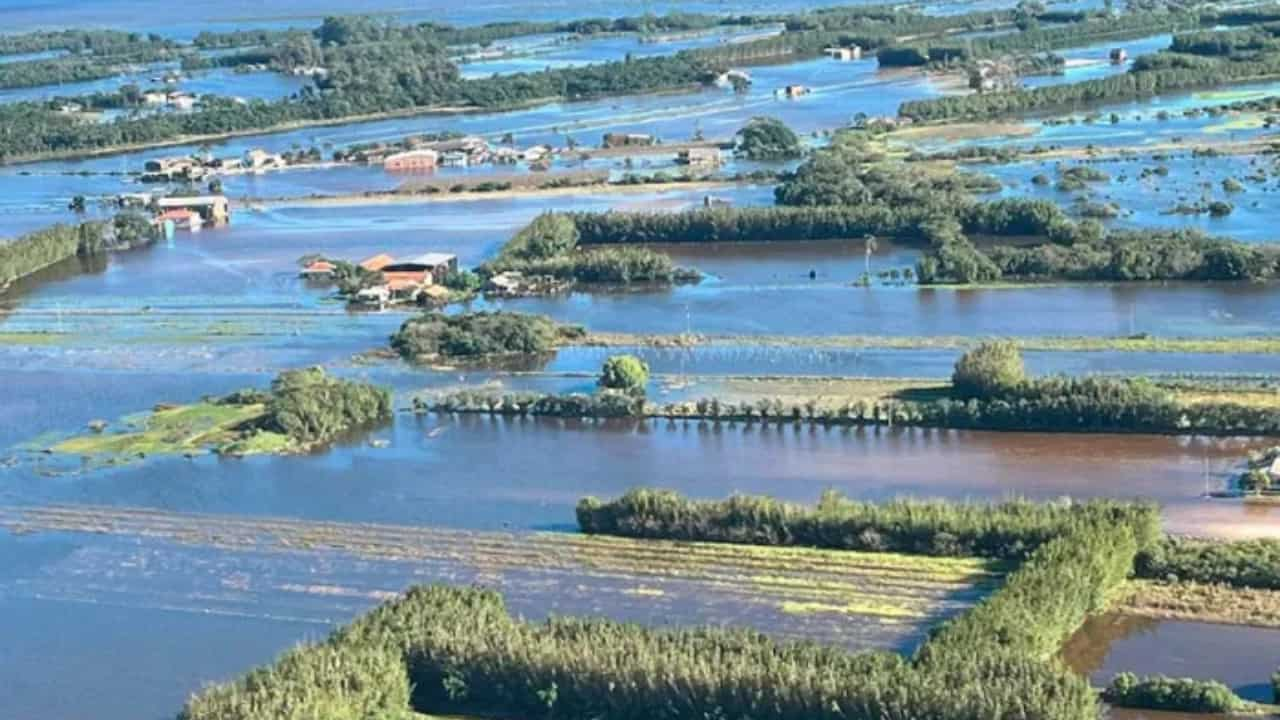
[1086, 652]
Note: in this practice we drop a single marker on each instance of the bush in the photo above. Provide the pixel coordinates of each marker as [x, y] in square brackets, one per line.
[765, 138]
[310, 406]
[992, 369]
[481, 334]
[1158, 692]
[625, 372]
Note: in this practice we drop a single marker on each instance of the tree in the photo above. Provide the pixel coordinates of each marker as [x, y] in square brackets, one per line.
[765, 138]
[547, 236]
[625, 372]
[992, 369]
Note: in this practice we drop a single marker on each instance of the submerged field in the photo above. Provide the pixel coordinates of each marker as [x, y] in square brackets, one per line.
[322, 570]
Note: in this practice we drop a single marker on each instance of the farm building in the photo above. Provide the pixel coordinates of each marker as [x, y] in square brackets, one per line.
[701, 156]
[429, 267]
[210, 208]
[423, 159]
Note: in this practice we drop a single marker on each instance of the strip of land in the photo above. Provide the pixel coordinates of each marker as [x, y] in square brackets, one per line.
[1204, 603]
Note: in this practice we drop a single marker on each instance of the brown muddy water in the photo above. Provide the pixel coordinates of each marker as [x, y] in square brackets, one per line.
[1241, 657]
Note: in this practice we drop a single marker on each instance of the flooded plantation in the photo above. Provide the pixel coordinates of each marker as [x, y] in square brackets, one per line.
[294, 579]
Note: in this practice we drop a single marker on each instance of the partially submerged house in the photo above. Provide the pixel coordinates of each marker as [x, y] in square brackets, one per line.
[793, 91]
[699, 156]
[427, 268]
[412, 160]
[258, 160]
[844, 53]
[211, 208]
[1118, 56]
[318, 270]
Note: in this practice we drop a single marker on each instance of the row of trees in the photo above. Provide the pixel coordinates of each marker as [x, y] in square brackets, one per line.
[1140, 82]
[1242, 564]
[1115, 256]
[39, 249]
[459, 649]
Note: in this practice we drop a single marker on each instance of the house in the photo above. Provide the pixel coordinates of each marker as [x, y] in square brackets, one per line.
[155, 97]
[505, 283]
[318, 270]
[455, 158]
[258, 159]
[226, 164]
[613, 140]
[377, 262]
[181, 218]
[181, 100]
[433, 265]
[424, 159]
[844, 53]
[794, 91]
[536, 153]
[210, 208]
[1118, 56]
[698, 156]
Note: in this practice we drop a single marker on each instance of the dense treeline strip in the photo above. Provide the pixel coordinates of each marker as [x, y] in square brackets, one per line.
[1113, 256]
[461, 651]
[989, 391]
[1009, 531]
[1102, 412]
[81, 68]
[101, 42]
[906, 223]
[1038, 39]
[36, 250]
[1136, 84]
[1243, 564]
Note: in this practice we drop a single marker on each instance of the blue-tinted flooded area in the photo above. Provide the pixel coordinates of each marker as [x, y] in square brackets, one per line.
[1163, 189]
[219, 81]
[539, 53]
[1091, 62]
[1241, 657]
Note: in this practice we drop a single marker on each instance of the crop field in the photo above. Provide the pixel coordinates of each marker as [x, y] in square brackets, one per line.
[325, 572]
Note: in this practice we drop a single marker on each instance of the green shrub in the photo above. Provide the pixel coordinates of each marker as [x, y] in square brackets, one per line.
[625, 372]
[992, 369]
[1158, 692]
[311, 406]
[766, 138]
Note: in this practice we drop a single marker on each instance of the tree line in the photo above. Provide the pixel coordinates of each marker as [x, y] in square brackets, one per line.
[36, 250]
[460, 650]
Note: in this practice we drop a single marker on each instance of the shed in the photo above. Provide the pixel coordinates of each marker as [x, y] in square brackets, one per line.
[438, 265]
[424, 159]
[318, 269]
[698, 156]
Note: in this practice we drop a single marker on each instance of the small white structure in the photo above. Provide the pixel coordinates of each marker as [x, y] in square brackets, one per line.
[844, 53]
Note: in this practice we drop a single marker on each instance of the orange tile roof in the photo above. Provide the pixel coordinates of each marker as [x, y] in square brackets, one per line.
[377, 262]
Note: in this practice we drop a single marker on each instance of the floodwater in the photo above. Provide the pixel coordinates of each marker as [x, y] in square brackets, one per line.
[1153, 200]
[1241, 657]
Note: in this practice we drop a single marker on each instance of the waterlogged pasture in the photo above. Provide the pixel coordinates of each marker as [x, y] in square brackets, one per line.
[296, 578]
[1160, 189]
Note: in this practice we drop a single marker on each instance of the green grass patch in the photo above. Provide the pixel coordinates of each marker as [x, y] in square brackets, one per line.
[169, 431]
